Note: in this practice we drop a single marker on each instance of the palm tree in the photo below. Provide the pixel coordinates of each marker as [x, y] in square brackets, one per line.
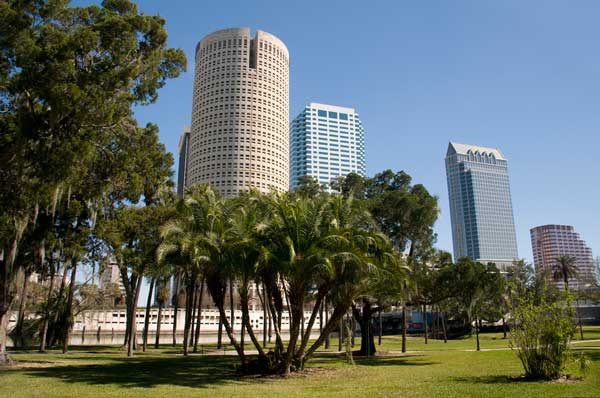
[162, 297]
[249, 216]
[565, 268]
[201, 234]
[321, 247]
[292, 258]
[182, 246]
[300, 250]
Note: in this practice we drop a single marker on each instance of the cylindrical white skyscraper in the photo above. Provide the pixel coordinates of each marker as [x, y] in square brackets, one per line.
[240, 116]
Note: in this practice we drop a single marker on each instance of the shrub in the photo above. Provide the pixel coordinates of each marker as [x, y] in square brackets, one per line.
[541, 335]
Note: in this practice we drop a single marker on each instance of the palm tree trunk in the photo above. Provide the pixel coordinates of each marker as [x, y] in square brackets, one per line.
[353, 331]
[246, 322]
[57, 311]
[7, 279]
[220, 333]
[477, 333]
[444, 327]
[296, 312]
[176, 307]
[579, 321]
[263, 302]
[306, 335]
[276, 324]
[21, 316]
[367, 341]
[193, 318]
[4, 357]
[231, 309]
[132, 342]
[189, 299]
[327, 340]
[434, 323]
[44, 331]
[147, 317]
[321, 318]
[128, 316]
[69, 309]
[229, 330]
[341, 334]
[270, 319]
[338, 312]
[380, 325]
[199, 321]
[129, 284]
[158, 323]
[302, 323]
[243, 325]
[404, 326]
[425, 324]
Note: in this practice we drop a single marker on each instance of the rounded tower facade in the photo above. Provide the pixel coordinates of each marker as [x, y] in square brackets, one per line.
[240, 116]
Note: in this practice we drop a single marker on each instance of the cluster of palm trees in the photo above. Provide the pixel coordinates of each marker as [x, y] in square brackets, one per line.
[298, 251]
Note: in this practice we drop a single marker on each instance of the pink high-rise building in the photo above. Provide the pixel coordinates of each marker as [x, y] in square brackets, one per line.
[551, 241]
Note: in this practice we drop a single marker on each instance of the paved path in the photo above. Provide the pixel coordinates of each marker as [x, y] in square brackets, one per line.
[572, 343]
[333, 353]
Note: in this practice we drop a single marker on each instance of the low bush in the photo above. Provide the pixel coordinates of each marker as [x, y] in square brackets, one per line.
[540, 334]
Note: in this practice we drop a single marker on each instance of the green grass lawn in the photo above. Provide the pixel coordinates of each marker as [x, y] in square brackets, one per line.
[440, 370]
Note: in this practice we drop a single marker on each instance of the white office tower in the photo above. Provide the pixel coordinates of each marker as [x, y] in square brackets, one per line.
[327, 141]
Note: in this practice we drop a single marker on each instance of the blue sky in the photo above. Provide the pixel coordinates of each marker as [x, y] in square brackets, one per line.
[523, 76]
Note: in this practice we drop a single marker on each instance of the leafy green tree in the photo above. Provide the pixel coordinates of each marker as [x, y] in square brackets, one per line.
[68, 79]
[350, 184]
[432, 282]
[309, 187]
[132, 237]
[520, 280]
[113, 295]
[388, 285]
[403, 211]
[479, 291]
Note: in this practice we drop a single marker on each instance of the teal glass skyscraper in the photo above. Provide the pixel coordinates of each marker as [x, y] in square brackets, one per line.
[481, 212]
[326, 142]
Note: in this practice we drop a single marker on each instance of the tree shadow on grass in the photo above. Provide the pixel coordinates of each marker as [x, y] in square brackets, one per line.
[146, 372]
[495, 379]
[405, 360]
[196, 371]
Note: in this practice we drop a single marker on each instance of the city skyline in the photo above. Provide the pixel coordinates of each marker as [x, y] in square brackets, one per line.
[456, 85]
[196, 197]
